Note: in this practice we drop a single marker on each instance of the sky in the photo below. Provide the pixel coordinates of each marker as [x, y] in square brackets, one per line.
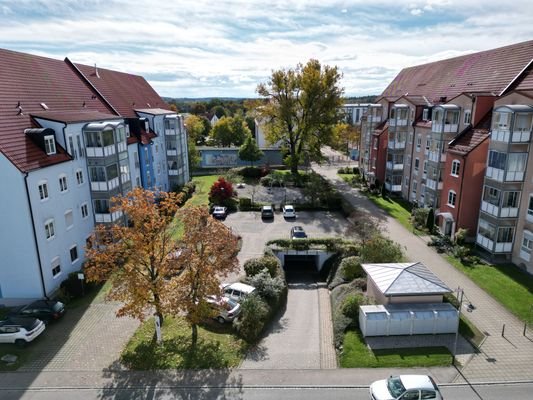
[225, 48]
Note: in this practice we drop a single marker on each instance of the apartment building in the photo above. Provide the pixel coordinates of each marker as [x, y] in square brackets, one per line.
[65, 151]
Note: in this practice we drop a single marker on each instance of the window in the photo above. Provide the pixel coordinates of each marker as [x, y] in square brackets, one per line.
[505, 235]
[406, 182]
[80, 147]
[491, 195]
[417, 164]
[428, 394]
[156, 148]
[517, 162]
[72, 150]
[425, 114]
[56, 267]
[418, 142]
[527, 243]
[467, 117]
[97, 174]
[79, 177]
[455, 167]
[451, 198]
[522, 122]
[428, 143]
[503, 120]
[415, 184]
[510, 199]
[497, 160]
[84, 210]
[530, 206]
[487, 230]
[101, 206]
[43, 190]
[49, 229]
[159, 169]
[63, 183]
[50, 144]
[69, 219]
[425, 166]
[74, 254]
[375, 143]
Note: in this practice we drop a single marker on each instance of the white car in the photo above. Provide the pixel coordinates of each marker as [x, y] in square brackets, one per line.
[237, 291]
[405, 387]
[289, 211]
[20, 331]
[220, 212]
[227, 309]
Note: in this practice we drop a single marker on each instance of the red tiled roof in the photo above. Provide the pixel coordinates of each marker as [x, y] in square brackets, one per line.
[470, 138]
[490, 71]
[124, 92]
[30, 80]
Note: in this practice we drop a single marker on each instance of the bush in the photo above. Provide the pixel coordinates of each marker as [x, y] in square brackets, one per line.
[460, 236]
[419, 217]
[251, 322]
[71, 288]
[359, 283]
[381, 250]
[250, 172]
[350, 308]
[271, 289]
[356, 171]
[351, 268]
[255, 266]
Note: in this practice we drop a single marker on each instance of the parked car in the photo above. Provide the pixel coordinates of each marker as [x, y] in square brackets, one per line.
[237, 291]
[220, 212]
[267, 212]
[45, 310]
[297, 232]
[289, 211]
[227, 308]
[20, 331]
[405, 387]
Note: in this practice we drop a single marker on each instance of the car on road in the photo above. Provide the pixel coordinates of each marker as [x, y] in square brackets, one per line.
[267, 212]
[237, 291]
[289, 211]
[227, 309]
[45, 310]
[220, 212]
[20, 331]
[405, 387]
[297, 232]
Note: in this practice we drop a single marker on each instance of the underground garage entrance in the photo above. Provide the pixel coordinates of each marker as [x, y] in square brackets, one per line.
[301, 267]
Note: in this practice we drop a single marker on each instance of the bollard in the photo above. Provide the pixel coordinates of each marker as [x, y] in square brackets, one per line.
[503, 330]
[525, 327]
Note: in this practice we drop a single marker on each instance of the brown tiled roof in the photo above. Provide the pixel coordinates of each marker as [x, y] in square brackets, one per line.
[470, 138]
[154, 111]
[124, 92]
[489, 71]
[419, 100]
[28, 81]
[75, 116]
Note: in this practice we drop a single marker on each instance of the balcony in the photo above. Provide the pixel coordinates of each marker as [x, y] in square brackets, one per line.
[501, 175]
[446, 128]
[504, 135]
[433, 184]
[503, 212]
[393, 188]
[394, 166]
[104, 186]
[170, 132]
[172, 152]
[436, 156]
[494, 247]
[396, 145]
[107, 217]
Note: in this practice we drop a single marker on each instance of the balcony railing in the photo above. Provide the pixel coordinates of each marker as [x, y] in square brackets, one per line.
[171, 152]
[433, 184]
[492, 246]
[393, 188]
[439, 128]
[436, 156]
[516, 136]
[104, 186]
[396, 145]
[170, 132]
[501, 175]
[502, 212]
[394, 166]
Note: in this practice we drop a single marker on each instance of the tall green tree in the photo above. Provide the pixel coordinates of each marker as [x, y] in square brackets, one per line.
[230, 131]
[249, 151]
[302, 109]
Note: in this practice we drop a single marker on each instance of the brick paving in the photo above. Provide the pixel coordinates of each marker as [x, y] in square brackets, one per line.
[508, 358]
[328, 357]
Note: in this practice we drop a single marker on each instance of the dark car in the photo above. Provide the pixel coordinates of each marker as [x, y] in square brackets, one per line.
[267, 212]
[45, 310]
[297, 232]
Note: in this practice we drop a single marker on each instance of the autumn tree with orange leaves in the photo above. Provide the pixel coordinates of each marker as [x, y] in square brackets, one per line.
[208, 253]
[141, 256]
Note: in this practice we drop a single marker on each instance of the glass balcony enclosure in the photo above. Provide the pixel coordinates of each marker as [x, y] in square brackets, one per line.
[494, 238]
[445, 118]
[512, 123]
[506, 167]
[103, 139]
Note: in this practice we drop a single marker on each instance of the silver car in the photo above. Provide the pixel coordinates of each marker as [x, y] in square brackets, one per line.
[227, 308]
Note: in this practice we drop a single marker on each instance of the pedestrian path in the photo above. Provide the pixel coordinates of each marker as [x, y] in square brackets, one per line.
[508, 358]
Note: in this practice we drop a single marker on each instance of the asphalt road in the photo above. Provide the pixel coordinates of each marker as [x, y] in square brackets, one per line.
[478, 392]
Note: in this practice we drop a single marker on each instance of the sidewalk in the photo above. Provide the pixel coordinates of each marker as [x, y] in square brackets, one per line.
[506, 358]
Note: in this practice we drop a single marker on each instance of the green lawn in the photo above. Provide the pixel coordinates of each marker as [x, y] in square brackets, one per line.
[217, 347]
[396, 209]
[200, 196]
[506, 283]
[357, 355]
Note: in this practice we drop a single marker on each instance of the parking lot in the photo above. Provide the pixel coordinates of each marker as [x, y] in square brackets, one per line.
[255, 232]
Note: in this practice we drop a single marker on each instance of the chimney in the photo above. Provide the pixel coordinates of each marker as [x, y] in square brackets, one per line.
[96, 71]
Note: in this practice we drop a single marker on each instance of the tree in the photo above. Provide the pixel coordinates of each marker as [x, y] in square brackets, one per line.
[345, 134]
[430, 222]
[381, 250]
[249, 151]
[198, 108]
[302, 109]
[139, 256]
[194, 125]
[221, 191]
[208, 253]
[230, 130]
[193, 154]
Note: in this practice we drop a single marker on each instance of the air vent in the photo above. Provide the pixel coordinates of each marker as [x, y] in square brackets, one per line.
[44, 106]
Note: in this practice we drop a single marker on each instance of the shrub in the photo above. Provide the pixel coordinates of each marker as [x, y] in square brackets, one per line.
[419, 217]
[462, 253]
[460, 236]
[356, 171]
[251, 322]
[271, 289]
[351, 268]
[359, 283]
[221, 192]
[430, 223]
[250, 172]
[255, 266]
[245, 203]
[72, 286]
[350, 307]
[381, 250]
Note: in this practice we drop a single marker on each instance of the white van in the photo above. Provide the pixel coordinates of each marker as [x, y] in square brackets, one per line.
[237, 291]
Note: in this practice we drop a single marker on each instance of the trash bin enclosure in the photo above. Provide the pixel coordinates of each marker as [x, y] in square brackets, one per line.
[408, 319]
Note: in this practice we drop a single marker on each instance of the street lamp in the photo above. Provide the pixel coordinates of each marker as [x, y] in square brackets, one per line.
[460, 293]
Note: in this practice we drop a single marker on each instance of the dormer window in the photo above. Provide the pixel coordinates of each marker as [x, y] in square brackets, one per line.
[425, 114]
[467, 117]
[50, 145]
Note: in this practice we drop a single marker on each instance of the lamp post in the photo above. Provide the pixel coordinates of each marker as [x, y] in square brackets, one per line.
[460, 293]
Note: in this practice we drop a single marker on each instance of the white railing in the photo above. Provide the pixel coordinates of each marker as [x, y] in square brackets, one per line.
[393, 188]
[108, 217]
[524, 255]
[401, 122]
[494, 173]
[504, 212]
[392, 122]
[394, 144]
[170, 132]
[485, 242]
[503, 247]
[521, 136]
[173, 172]
[498, 135]
[489, 208]
[100, 151]
[122, 146]
[436, 156]
[451, 127]
[125, 178]
[104, 186]
[433, 184]
[172, 152]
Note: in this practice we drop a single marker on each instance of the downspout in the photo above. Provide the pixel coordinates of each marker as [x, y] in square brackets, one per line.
[461, 192]
[411, 166]
[35, 236]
